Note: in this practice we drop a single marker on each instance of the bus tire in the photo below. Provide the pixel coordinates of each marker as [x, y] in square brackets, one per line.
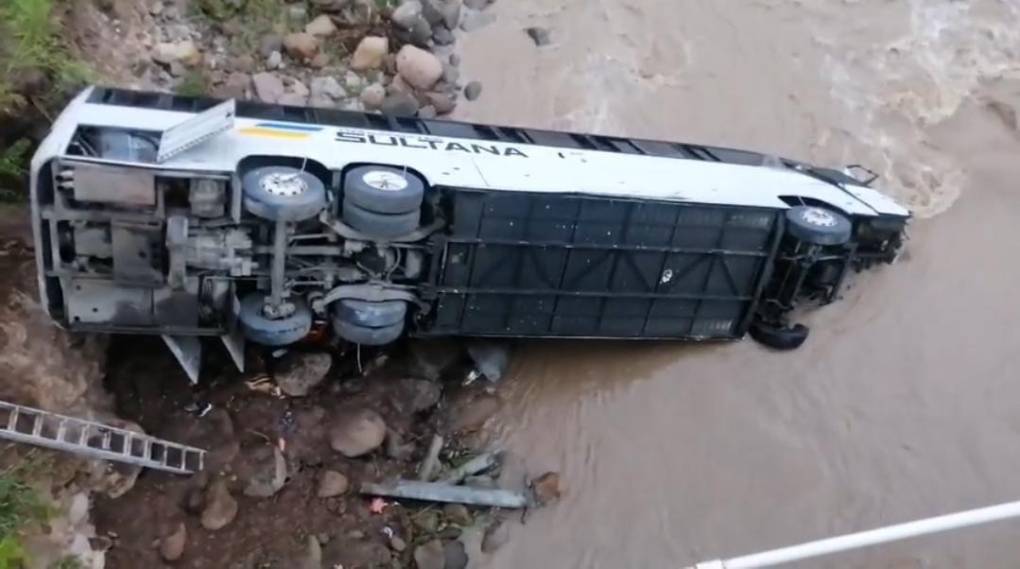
[377, 314]
[282, 193]
[818, 225]
[380, 189]
[259, 328]
[380, 225]
[783, 338]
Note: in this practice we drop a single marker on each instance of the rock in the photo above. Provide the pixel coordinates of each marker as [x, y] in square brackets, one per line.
[451, 13]
[171, 547]
[274, 60]
[418, 67]
[312, 558]
[427, 112]
[430, 555]
[420, 394]
[398, 85]
[546, 488]
[539, 35]
[319, 61]
[458, 514]
[294, 100]
[298, 373]
[299, 88]
[301, 46]
[472, 92]
[235, 87]
[194, 501]
[372, 96]
[332, 483]
[268, 472]
[370, 53]
[470, 413]
[397, 544]
[399, 105]
[443, 103]
[495, 537]
[357, 432]
[156, 8]
[454, 556]
[442, 36]
[268, 87]
[431, 358]
[270, 43]
[352, 105]
[455, 59]
[477, 4]
[321, 26]
[353, 81]
[243, 63]
[474, 20]
[185, 52]
[325, 91]
[177, 69]
[421, 33]
[220, 508]
[406, 14]
[490, 357]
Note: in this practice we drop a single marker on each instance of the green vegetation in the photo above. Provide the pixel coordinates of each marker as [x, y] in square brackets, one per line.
[21, 508]
[194, 84]
[31, 42]
[69, 562]
[13, 166]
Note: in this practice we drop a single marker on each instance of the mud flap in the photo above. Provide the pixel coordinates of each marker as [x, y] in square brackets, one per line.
[188, 351]
[233, 340]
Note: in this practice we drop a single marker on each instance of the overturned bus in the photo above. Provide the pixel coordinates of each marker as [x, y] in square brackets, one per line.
[191, 217]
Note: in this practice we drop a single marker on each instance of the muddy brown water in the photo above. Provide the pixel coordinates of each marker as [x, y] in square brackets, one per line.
[904, 403]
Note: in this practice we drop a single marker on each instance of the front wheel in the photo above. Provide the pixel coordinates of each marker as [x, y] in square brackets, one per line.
[783, 338]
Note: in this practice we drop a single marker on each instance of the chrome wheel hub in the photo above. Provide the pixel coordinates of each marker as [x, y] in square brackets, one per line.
[283, 185]
[819, 217]
[385, 181]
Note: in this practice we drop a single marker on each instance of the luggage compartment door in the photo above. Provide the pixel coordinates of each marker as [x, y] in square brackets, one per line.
[547, 265]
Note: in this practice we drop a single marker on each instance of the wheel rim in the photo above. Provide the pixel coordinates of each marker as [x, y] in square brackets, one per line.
[385, 181]
[283, 185]
[819, 217]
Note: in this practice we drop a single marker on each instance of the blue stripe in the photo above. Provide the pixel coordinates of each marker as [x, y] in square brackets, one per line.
[299, 128]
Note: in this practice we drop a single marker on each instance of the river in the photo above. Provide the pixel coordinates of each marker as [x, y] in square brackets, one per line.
[904, 403]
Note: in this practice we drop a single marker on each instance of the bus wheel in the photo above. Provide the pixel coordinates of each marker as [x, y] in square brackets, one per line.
[380, 225]
[380, 189]
[818, 226]
[782, 338]
[369, 323]
[262, 329]
[282, 193]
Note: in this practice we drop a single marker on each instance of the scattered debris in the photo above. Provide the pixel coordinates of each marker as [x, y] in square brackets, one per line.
[447, 493]
[539, 35]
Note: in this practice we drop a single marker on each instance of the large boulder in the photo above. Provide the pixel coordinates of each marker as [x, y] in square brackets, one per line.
[418, 67]
[185, 52]
[171, 547]
[332, 483]
[268, 87]
[220, 507]
[265, 472]
[321, 26]
[299, 373]
[406, 14]
[357, 432]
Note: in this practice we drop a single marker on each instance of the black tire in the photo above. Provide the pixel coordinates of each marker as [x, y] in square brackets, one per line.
[259, 328]
[818, 226]
[380, 189]
[782, 338]
[282, 192]
[367, 336]
[380, 225]
[370, 314]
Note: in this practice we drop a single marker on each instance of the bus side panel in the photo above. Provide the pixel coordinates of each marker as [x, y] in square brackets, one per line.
[545, 265]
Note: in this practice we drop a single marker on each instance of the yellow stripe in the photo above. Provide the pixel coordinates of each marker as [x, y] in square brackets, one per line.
[268, 133]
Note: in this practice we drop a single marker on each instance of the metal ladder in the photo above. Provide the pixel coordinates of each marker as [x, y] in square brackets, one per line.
[96, 440]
